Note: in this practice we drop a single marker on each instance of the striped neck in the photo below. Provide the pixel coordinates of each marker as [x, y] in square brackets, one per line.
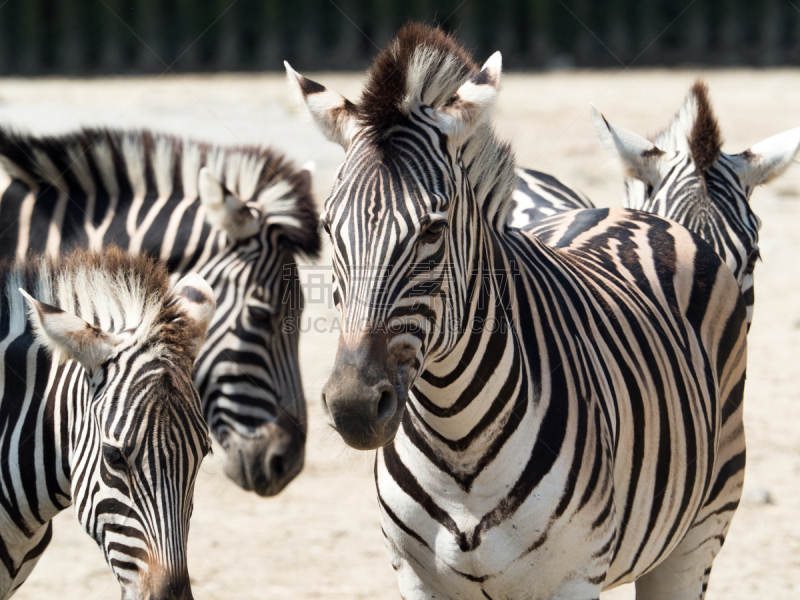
[459, 397]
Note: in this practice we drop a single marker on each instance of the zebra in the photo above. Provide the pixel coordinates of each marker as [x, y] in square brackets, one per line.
[540, 195]
[236, 215]
[550, 420]
[99, 411]
[683, 175]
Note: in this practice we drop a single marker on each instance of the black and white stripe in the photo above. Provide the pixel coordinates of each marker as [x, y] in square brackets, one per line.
[540, 195]
[550, 420]
[99, 411]
[237, 216]
[683, 175]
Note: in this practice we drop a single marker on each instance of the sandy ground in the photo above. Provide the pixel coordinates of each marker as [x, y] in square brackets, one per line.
[321, 538]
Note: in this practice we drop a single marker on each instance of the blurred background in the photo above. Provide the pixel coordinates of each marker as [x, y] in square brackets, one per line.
[102, 37]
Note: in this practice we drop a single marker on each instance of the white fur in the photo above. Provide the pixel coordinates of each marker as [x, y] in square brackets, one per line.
[62, 334]
[223, 210]
[629, 148]
[475, 103]
[321, 106]
[201, 312]
[191, 158]
[101, 151]
[676, 136]
[134, 158]
[162, 160]
[126, 311]
[433, 88]
[768, 159]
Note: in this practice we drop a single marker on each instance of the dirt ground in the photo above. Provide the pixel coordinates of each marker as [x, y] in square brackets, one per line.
[321, 539]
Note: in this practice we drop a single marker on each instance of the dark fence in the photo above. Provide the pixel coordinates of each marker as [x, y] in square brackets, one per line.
[87, 37]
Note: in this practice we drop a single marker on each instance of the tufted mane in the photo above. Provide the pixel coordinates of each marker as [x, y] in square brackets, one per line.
[694, 129]
[705, 140]
[420, 63]
[87, 283]
[425, 64]
[127, 163]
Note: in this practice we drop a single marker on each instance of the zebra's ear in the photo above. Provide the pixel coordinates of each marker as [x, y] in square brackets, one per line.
[69, 337]
[640, 157]
[472, 103]
[334, 114]
[196, 299]
[768, 159]
[223, 210]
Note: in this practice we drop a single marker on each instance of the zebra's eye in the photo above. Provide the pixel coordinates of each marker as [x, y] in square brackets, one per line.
[433, 231]
[260, 316]
[113, 456]
[752, 258]
[324, 225]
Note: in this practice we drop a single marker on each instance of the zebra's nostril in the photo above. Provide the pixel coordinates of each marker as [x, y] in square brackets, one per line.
[387, 404]
[277, 466]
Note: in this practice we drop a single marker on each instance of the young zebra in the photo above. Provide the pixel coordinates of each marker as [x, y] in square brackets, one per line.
[683, 175]
[99, 410]
[551, 421]
[237, 216]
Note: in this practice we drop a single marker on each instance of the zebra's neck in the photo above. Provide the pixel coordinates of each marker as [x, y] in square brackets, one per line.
[461, 403]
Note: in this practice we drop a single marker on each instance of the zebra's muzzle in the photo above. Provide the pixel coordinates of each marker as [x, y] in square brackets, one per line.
[266, 461]
[160, 584]
[359, 400]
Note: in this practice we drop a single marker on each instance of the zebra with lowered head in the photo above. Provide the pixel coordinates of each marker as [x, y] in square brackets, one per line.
[99, 411]
[550, 421]
[682, 175]
[238, 216]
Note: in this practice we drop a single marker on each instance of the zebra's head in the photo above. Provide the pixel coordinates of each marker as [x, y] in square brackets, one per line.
[683, 175]
[248, 371]
[422, 167]
[136, 444]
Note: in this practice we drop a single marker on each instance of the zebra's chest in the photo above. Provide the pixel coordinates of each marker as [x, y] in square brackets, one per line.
[468, 541]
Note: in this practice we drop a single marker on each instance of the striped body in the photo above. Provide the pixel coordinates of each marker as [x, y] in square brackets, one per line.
[551, 419]
[121, 439]
[599, 458]
[729, 224]
[144, 193]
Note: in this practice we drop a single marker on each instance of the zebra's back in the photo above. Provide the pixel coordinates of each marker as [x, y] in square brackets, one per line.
[540, 195]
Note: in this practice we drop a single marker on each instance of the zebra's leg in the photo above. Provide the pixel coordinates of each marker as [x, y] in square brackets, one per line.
[684, 574]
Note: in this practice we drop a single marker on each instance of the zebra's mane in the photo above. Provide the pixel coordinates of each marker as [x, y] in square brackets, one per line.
[694, 129]
[130, 163]
[425, 64]
[114, 289]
